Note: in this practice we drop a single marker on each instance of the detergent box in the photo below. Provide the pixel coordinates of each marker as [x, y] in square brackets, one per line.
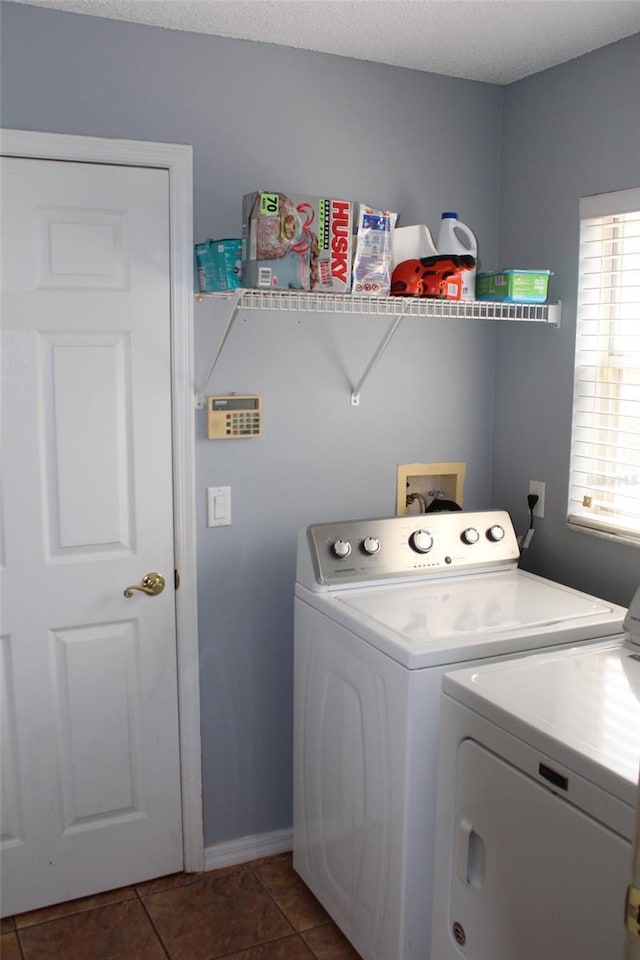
[219, 265]
[516, 286]
[296, 242]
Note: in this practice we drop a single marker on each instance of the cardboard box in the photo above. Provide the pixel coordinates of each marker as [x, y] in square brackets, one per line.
[219, 265]
[515, 286]
[295, 242]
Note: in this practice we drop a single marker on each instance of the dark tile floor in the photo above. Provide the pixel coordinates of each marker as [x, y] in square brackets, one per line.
[256, 911]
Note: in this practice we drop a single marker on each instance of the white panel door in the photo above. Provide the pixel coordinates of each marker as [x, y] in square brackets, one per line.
[90, 750]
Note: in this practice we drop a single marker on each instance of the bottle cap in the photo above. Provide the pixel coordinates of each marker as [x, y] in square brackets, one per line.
[449, 215]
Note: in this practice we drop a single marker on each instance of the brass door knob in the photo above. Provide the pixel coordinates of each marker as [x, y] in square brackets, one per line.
[152, 584]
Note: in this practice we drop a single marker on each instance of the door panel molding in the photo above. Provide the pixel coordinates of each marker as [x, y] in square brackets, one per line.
[96, 366]
[177, 160]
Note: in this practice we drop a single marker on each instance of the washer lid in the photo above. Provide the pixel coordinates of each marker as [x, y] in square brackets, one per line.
[465, 618]
[581, 706]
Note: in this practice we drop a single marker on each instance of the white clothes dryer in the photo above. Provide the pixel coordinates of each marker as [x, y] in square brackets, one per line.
[383, 608]
[537, 787]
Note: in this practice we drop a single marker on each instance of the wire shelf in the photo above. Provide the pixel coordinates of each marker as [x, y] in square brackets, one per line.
[293, 301]
[398, 308]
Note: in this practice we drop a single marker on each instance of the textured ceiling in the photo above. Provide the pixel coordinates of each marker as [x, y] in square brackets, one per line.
[496, 41]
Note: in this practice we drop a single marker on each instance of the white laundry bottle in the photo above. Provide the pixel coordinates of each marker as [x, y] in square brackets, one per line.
[455, 237]
[411, 243]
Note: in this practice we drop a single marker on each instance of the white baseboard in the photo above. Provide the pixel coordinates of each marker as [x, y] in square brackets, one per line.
[231, 852]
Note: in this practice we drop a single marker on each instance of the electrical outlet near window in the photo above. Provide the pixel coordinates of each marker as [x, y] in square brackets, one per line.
[537, 487]
[420, 483]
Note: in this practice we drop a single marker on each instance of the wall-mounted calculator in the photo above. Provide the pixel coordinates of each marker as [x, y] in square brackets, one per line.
[234, 417]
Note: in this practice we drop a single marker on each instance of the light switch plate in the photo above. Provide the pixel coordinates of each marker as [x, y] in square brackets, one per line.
[218, 506]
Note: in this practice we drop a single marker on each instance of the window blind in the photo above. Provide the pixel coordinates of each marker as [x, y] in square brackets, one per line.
[604, 481]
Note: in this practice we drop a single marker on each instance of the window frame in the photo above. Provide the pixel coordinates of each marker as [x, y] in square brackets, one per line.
[606, 206]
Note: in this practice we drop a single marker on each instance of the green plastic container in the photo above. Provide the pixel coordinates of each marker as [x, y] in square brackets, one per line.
[516, 286]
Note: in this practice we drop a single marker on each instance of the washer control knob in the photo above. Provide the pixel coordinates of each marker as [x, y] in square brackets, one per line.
[470, 535]
[342, 548]
[371, 545]
[495, 533]
[421, 541]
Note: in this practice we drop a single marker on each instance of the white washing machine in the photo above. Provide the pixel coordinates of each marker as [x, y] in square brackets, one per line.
[537, 787]
[383, 608]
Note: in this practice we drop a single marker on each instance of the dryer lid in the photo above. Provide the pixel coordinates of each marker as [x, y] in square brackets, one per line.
[580, 705]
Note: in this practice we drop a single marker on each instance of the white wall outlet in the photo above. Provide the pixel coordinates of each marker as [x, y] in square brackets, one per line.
[218, 506]
[538, 487]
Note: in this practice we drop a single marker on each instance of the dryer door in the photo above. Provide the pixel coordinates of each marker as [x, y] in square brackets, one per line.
[532, 876]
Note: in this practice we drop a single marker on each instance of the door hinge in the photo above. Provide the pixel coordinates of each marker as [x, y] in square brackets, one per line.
[176, 579]
[632, 911]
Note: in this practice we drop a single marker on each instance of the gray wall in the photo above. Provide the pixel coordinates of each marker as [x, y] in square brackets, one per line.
[566, 133]
[260, 116]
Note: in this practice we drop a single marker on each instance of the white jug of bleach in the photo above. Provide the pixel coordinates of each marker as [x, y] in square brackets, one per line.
[455, 237]
[411, 243]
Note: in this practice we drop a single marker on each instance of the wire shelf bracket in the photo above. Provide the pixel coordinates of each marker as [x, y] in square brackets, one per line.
[294, 301]
[236, 300]
[384, 343]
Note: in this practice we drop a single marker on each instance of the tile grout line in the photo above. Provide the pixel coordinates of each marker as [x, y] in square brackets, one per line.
[153, 926]
[299, 933]
[72, 913]
[249, 866]
[19, 942]
[238, 868]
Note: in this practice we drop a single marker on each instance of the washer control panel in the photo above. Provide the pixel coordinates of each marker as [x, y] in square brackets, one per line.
[356, 551]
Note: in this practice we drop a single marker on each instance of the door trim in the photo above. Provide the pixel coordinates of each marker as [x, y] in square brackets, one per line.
[177, 160]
